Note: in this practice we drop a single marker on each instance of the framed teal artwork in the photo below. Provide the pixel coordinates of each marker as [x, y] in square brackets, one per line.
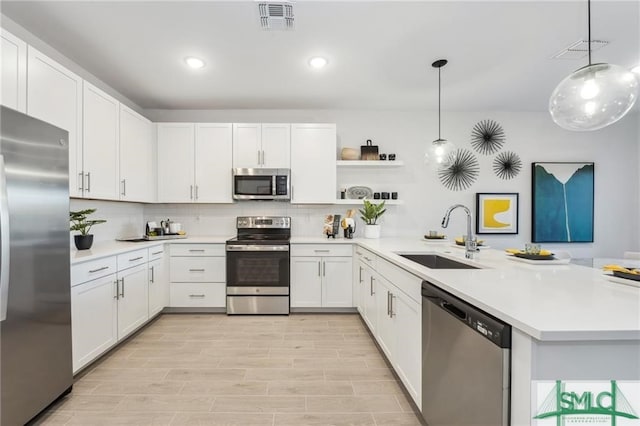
[562, 202]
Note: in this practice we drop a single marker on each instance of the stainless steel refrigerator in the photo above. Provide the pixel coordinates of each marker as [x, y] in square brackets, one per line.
[35, 300]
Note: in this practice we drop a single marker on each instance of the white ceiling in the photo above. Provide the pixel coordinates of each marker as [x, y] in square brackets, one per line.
[380, 53]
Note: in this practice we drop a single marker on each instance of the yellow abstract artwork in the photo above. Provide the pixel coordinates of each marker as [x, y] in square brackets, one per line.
[496, 210]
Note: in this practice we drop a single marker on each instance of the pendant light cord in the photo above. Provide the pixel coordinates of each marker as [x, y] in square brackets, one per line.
[439, 90]
[589, 27]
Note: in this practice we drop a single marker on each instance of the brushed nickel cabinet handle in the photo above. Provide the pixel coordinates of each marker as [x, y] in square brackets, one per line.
[136, 258]
[371, 287]
[196, 270]
[318, 268]
[98, 270]
[199, 296]
[157, 252]
[153, 277]
[124, 187]
[89, 182]
[122, 293]
[117, 289]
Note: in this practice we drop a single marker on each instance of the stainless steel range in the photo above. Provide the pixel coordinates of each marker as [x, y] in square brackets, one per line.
[258, 266]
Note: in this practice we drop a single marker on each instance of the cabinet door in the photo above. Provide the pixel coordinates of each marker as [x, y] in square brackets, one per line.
[101, 117]
[247, 145]
[385, 324]
[158, 287]
[54, 95]
[276, 145]
[136, 157]
[13, 72]
[133, 300]
[94, 319]
[370, 302]
[337, 287]
[360, 277]
[213, 157]
[407, 359]
[313, 163]
[306, 282]
[176, 162]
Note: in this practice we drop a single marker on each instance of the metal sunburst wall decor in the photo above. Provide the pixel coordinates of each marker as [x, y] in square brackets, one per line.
[507, 165]
[462, 171]
[487, 137]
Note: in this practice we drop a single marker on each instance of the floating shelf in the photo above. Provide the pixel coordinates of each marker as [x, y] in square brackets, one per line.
[354, 202]
[372, 163]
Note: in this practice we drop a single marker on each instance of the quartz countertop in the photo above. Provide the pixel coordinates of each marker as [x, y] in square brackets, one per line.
[547, 302]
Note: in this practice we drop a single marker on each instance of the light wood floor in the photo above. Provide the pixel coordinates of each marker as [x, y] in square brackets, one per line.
[251, 370]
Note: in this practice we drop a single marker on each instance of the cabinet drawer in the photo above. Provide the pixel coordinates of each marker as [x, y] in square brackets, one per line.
[197, 269]
[132, 258]
[323, 250]
[197, 249]
[210, 295]
[93, 269]
[405, 281]
[156, 252]
[365, 256]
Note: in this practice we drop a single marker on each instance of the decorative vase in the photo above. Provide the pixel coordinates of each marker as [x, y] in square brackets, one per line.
[83, 242]
[349, 154]
[372, 231]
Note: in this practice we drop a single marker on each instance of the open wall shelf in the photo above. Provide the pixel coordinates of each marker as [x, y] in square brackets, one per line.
[366, 164]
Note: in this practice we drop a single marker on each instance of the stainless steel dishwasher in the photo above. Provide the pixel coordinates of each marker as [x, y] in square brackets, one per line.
[466, 359]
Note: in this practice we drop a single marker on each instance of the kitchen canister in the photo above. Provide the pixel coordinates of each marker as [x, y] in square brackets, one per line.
[349, 154]
[369, 151]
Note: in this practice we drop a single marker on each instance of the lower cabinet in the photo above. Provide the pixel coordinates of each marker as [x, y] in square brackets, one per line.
[94, 319]
[198, 276]
[323, 281]
[158, 281]
[393, 317]
[133, 299]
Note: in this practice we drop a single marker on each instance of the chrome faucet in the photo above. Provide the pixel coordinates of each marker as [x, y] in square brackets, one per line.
[470, 243]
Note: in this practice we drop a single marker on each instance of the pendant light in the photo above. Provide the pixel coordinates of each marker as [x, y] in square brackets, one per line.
[439, 152]
[594, 96]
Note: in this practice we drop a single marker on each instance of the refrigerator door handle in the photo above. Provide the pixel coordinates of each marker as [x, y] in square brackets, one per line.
[4, 243]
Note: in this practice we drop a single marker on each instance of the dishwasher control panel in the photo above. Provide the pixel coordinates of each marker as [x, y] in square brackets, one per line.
[487, 330]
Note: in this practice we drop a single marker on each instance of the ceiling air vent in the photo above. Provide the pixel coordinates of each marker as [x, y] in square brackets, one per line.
[276, 15]
[579, 49]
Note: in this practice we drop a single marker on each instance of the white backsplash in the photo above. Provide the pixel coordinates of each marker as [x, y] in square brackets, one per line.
[123, 219]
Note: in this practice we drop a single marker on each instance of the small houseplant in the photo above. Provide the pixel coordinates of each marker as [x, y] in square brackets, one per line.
[80, 223]
[370, 214]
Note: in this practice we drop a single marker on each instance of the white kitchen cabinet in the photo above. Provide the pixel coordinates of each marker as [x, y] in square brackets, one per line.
[321, 276]
[213, 157]
[385, 321]
[137, 157]
[407, 315]
[100, 157]
[313, 163]
[13, 72]
[94, 319]
[197, 276]
[158, 281]
[176, 153]
[194, 162]
[258, 145]
[369, 301]
[133, 300]
[54, 95]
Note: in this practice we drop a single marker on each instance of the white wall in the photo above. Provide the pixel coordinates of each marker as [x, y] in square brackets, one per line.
[533, 136]
[123, 219]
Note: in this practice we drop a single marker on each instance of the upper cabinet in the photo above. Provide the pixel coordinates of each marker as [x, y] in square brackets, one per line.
[313, 163]
[54, 95]
[194, 162]
[261, 145]
[13, 72]
[137, 157]
[100, 159]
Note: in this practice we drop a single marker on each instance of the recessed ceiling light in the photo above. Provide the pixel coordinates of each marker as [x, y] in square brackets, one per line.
[318, 62]
[194, 62]
[636, 69]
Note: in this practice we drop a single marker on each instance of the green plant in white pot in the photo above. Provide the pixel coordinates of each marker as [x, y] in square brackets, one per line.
[370, 214]
[80, 223]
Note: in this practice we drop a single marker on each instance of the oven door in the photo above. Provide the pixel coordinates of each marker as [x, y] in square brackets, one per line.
[257, 269]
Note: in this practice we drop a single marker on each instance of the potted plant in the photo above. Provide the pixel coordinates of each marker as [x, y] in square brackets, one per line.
[80, 223]
[370, 214]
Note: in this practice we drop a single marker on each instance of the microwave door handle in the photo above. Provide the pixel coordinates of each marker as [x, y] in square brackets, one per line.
[274, 187]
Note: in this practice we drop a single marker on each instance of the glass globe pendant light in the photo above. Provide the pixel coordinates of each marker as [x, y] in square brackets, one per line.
[440, 152]
[594, 96]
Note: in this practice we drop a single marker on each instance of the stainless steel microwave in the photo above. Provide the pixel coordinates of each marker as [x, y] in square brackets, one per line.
[261, 184]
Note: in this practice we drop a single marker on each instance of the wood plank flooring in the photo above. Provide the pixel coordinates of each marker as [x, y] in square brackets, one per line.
[304, 369]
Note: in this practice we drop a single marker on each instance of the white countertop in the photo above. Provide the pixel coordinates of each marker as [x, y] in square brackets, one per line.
[547, 302]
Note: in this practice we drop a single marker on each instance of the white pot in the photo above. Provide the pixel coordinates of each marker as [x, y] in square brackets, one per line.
[372, 231]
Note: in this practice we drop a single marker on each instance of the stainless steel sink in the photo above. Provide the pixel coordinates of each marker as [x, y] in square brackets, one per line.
[434, 261]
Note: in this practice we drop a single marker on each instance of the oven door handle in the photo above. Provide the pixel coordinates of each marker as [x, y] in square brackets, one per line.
[251, 247]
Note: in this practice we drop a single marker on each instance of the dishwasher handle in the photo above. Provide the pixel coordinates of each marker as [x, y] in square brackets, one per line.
[452, 309]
